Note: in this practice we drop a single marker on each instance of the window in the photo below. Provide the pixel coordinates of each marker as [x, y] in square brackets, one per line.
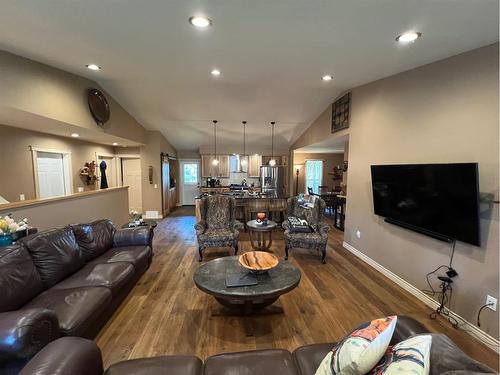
[314, 175]
[52, 172]
[190, 174]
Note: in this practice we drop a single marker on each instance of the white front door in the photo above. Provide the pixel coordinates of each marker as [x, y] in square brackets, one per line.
[132, 178]
[190, 180]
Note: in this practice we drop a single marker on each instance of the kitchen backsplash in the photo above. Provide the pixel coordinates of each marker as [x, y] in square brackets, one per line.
[237, 178]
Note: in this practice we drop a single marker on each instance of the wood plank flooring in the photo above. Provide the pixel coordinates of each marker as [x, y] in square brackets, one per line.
[166, 314]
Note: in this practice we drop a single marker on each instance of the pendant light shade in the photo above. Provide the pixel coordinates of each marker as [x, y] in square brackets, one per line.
[215, 161]
[272, 162]
[243, 159]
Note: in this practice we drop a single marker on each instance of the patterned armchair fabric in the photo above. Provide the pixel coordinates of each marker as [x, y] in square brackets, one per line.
[218, 227]
[314, 240]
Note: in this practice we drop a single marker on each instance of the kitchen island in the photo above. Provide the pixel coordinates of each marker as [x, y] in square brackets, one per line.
[243, 200]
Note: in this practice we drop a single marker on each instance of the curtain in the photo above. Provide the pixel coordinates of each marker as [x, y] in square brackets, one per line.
[314, 175]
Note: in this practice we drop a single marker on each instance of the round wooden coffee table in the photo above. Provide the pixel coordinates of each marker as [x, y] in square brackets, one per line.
[211, 279]
[259, 232]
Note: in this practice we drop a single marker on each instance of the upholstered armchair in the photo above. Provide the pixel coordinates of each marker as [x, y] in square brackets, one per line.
[218, 226]
[315, 240]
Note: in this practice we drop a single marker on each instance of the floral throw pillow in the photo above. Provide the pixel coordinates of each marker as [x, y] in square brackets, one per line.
[361, 350]
[407, 357]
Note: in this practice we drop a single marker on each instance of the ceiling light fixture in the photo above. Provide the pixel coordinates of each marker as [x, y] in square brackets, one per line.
[75, 135]
[115, 144]
[94, 67]
[272, 162]
[244, 160]
[408, 37]
[215, 72]
[215, 161]
[327, 77]
[200, 22]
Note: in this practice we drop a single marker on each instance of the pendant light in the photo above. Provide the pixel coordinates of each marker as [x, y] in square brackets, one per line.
[244, 160]
[272, 162]
[215, 161]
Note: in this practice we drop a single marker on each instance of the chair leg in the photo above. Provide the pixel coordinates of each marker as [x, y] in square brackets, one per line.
[286, 252]
[323, 255]
[236, 249]
[200, 251]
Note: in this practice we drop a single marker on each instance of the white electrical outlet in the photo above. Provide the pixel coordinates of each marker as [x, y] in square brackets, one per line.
[493, 301]
[358, 234]
[21, 197]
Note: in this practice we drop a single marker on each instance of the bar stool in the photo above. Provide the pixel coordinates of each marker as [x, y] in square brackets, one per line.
[255, 206]
[279, 207]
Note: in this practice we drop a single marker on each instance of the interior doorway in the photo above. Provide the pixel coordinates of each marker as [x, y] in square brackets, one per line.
[190, 181]
[165, 184]
[111, 169]
[131, 177]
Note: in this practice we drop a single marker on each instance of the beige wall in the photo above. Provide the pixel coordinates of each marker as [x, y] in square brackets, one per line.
[29, 87]
[110, 204]
[330, 161]
[17, 176]
[442, 112]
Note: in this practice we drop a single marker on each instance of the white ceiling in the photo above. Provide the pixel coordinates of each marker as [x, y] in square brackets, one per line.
[271, 54]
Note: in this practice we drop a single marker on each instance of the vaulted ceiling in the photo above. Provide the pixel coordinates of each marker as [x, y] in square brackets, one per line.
[272, 55]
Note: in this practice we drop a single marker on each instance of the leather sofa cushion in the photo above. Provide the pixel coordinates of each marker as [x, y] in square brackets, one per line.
[76, 309]
[66, 356]
[19, 279]
[94, 238]
[405, 328]
[110, 275]
[262, 362]
[309, 357]
[171, 365]
[55, 254]
[139, 256]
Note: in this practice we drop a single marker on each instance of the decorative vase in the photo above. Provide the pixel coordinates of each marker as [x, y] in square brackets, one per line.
[5, 240]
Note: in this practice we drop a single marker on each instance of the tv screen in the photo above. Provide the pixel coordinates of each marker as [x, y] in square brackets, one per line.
[434, 199]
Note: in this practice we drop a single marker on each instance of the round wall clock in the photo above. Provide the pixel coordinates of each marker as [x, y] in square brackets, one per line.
[98, 105]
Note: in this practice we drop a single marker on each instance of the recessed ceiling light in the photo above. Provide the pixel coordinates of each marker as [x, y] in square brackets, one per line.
[215, 72]
[408, 37]
[93, 67]
[327, 78]
[115, 143]
[200, 21]
[75, 135]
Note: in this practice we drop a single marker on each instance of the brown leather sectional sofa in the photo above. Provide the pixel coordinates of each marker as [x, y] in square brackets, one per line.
[65, 282]
[76, 356]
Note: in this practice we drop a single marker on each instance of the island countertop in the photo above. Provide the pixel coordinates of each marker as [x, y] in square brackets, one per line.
[244, 195]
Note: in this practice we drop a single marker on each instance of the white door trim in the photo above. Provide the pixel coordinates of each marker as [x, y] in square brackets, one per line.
[67, 170]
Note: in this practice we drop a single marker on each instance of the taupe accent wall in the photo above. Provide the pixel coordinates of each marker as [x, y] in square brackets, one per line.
[17, 175]
[443, 112]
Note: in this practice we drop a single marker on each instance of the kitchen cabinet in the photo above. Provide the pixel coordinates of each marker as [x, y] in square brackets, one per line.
[223, 166]
[206, 166]
[209, 170]
[254, 163]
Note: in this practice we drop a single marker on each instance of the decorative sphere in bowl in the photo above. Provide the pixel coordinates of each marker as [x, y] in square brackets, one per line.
[258, 262]
[261, 216]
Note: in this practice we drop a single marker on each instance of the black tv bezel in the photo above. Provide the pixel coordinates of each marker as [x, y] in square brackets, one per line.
[439, 236]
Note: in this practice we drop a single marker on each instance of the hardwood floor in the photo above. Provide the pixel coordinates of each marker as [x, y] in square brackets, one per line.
[166, 314]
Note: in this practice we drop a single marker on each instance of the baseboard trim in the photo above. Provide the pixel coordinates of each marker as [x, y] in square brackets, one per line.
[470, 328]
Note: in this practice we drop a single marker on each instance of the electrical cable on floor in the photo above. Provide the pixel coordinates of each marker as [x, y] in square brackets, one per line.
[479, 312]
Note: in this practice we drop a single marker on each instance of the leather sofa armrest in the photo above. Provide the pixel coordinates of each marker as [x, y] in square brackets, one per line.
[66, 356]
[24, 332]
[407, 327]
[133, 237]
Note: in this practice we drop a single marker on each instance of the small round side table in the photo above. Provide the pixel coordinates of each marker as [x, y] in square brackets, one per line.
[258, 234]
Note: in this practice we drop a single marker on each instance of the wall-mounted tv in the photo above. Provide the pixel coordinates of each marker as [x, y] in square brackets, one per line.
[439, 200]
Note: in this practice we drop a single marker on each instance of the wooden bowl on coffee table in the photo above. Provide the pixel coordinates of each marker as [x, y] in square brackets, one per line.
[258, 261]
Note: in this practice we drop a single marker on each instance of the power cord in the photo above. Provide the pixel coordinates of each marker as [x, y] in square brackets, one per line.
[479, 312]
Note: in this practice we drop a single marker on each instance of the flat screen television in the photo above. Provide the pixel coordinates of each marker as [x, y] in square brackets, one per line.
[439, 200]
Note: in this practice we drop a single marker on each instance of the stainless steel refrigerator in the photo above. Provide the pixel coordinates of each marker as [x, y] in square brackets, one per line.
[272, 179]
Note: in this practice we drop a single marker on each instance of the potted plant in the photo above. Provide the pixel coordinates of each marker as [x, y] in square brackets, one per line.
[8, 226]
